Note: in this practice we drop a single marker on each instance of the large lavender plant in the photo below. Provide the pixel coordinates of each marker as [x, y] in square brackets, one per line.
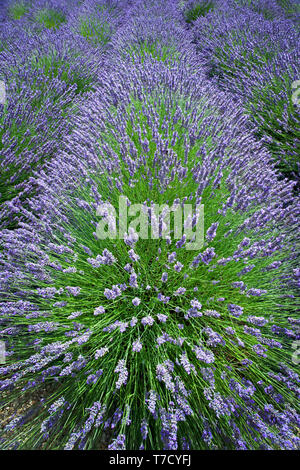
[163, 347]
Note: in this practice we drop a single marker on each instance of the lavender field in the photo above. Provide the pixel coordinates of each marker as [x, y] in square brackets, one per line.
[149, 224]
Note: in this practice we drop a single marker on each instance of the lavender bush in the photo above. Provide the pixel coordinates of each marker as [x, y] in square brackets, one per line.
[42, 74]
[142, 341]
[30, 125]
[256, 55]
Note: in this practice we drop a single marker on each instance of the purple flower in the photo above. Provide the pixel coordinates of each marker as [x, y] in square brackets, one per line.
[144, 429]
[147, 320]
[133, 255]
[162, 317]
[133, 280]
[137, 346]
[123, 373]
[172, 257]
[186, 364]
[112, 293]
[99, 310]
[92, 378]
[118, 443]
[212, 231]
[235, 310]
[128, 268]
[260, 350]
[100, 352]
[131, 238]
[73, 290]
[204, 355]
[136, 301]
[133, 321]
[178, 266]
[180, 291]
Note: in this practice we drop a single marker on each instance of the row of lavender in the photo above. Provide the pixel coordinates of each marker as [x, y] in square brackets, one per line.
[51, 53]
[252, 49]
[144, 342]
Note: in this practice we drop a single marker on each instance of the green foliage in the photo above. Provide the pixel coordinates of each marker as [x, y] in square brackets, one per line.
[18, 9]
[152, 48]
